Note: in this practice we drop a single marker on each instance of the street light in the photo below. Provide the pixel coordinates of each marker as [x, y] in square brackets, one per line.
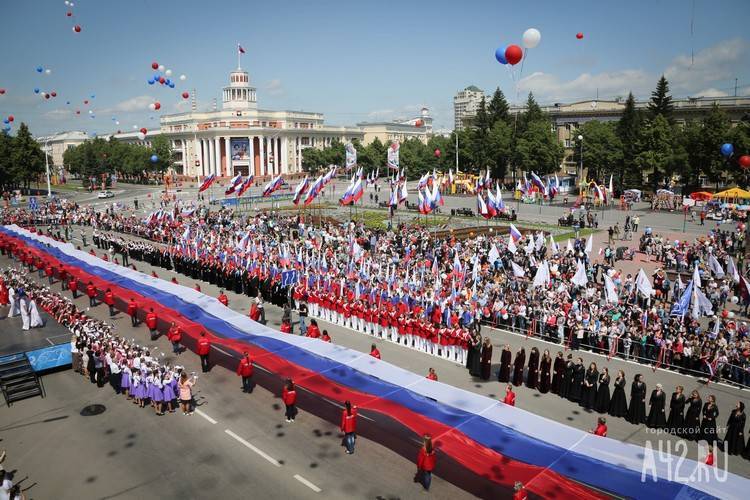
[580, 177]
[46, 165]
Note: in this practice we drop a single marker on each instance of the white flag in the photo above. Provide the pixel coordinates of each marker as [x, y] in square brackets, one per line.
[541, 278]
[590, 243]
[715, 266]
[529, 249]
[696, 277]
[643, 284]
[609, 287]
[553, 245]
[732, 270]
[518, 271]
[580, 278]
[539, 243]
[494, 255]
[569, 247]
[512, 248]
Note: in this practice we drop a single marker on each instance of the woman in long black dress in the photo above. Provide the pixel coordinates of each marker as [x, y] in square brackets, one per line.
[505, 357]
[486, 358]
[532, 375]
[567, 377]
[558, 369]
[545, 365]
[692, 428]
[734, 441]
[588, 388]
[518, 365]
[618, 406]
[576, 385]
[676, 420]
[708, 424]
[474, 358]
[602, 393]
[656, 414]
[637, 408]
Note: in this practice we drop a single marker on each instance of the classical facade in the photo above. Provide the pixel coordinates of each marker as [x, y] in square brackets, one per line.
[56, 145]
[419, 127]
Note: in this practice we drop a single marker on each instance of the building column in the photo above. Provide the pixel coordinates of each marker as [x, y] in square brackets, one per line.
[230, 169]
[199, 156]
[261, 141]
[211, 157]
[272, 156]
[217, 158]
[285, 155]
[251, 152]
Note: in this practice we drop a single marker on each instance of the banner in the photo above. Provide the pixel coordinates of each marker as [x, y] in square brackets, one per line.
[351, 156]
[240, 149]
[393, 161]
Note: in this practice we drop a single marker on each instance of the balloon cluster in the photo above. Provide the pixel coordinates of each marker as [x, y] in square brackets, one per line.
[512, 54]
[37, 90]
[727, 150]
[419, 123]
[69, 14]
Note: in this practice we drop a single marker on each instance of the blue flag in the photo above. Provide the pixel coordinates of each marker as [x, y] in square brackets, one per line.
[681, 307]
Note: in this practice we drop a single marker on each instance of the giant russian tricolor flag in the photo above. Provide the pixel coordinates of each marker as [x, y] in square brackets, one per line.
[497, 443]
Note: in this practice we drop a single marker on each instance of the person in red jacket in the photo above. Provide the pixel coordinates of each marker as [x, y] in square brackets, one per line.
[154, 275]
[286, 326]
[91, 292]
[174, 334]
[152, 322]
[289, 396]
[432, 375]
[349, 426]
[519, 492]
[510, 396]
[425, 463]
[601, 427]
[223, 298]
[245, 370]
[174, 280]
[710, 456]
[197, 287]
[109, 299]
[63, 274]
[73, 287]
[254, 312]
[325, 337]
[49, 270]
[374, 352]
[313, 331]
[204, 348]
[133, 312]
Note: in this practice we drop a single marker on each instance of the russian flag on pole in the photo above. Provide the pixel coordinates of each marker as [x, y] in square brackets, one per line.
[207, 183]
[300, 190]
[234, 182]
[245, 185]
[515, 233]
[240, 49]
[537, 182]
[272, 186]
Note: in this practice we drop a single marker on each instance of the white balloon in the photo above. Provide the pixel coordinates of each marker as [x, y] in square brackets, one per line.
[168, 72]
[47, 71]
[152, 106]
[731, 314]
[161, 68]
[91, 112]
[531, 38]
[117, 123]
[183, 77]
[135, 127]
[141, 136]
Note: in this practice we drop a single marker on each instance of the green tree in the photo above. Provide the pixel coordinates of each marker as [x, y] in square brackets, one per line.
[658, 157]
[538, 149]
[661, 101]
[7, 179]
[498, 108]
[533, 112]
[602, 149]
[27, 157]
[628, 131]
[500, 148]
[162, 148]
[312, 160]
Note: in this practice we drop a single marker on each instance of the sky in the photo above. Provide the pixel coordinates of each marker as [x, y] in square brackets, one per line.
[355, 61]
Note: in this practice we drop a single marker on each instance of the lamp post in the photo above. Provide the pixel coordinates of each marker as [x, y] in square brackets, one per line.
[46, 166]
[580, 175]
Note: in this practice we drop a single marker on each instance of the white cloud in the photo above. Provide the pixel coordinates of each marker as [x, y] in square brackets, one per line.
[58, 114]
[548, 87]
[380, 114]
[711, 92]
[134, 104]
[713, 64]
[274, 88]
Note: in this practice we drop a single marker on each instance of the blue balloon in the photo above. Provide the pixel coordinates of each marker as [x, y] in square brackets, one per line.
[6, 121]
[39, 69]
[67, 102]
[168, 81]
[36, 90]
[500, 55]
[727, 149]
[171, 85]
[154, 158]
[93, 96]
[150, 81]
[6, 129]
[156, 77]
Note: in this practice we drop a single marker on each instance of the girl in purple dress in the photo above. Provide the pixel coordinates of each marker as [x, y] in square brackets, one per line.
[137, 389]
[157, 395]
[125, 382]
[169, 394]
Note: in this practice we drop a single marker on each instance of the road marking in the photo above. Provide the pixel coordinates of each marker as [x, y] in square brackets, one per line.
[307, 483]
[205, 416]
[254, 448]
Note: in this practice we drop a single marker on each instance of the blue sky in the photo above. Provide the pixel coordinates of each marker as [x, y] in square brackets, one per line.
[355, 61]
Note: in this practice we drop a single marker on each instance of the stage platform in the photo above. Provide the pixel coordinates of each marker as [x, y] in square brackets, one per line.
[47, 347]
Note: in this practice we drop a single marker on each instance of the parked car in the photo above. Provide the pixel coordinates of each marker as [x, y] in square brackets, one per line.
[105, 194]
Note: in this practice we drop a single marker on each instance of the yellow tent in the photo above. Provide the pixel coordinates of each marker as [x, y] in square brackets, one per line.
[733, 193]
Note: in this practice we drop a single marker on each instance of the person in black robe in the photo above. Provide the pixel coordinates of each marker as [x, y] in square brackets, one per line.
[505, 358]
[576, 384]
[601, 404]
[567, 377]
[676, 420]
[588, 388]
[734, 441]
[474, 361]
[692, 428]
[544, 371]
[637, 408]
[532, 376]
[656, 414]
[486, 359]
[518, 365]
[708, 424]
[558, 371]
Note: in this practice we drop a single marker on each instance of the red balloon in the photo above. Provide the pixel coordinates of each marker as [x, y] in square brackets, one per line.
[437, 153]
[69, 14]
[2, 91]
[77, 28]
[161, 80]
[143, 130]
[85, 102]
[185, 95]
[54, 94]
[513, 54]
[154, 65]
[78, 112]
[11, 118]
[157, 105]
[46, 95]
[418, 123]
[744, 161]
[579, 35]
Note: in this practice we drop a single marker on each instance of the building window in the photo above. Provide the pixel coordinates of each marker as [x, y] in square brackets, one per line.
[567, 143]
[305, 141]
